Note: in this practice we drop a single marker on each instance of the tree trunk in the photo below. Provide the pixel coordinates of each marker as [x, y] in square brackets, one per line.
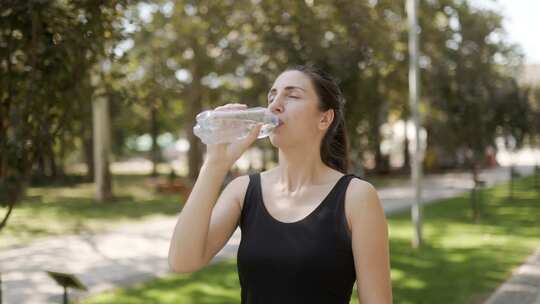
[88, 151]
[41, 167]
[381, 165]
[6, 216]
[3, 142]
[406, 153]
[154, 130]
[51, 159]
[378, 116]
[195, 153]
[61, 157]
[475, 195]
[15, 190]
[101, 123]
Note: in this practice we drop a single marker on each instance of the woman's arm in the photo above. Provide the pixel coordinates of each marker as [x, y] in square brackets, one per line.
[204, 225]
[190, 235]
[369, 243]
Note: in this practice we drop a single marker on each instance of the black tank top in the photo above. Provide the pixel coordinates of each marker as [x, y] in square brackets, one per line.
[308, 261]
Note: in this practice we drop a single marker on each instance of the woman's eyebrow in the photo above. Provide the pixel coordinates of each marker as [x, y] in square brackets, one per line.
[293, 87]
[288, 88]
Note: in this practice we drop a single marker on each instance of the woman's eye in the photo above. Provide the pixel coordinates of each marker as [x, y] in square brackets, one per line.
[295, 97]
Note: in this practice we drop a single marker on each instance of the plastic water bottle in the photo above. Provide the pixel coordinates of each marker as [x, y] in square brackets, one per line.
[226, 126]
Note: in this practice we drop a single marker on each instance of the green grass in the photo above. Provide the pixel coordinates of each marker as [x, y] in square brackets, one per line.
[215, 284]
[60, 210]
[461, 261]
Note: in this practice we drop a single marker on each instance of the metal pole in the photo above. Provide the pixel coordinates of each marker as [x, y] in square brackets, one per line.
[414, 87]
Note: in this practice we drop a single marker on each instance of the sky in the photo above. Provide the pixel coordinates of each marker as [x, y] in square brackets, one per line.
[522, 23]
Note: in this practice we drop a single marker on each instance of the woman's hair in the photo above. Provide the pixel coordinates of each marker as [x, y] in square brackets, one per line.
[335, 143]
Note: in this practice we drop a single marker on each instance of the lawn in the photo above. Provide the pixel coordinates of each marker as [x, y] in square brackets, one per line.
[71, 209]
[57, 210]
[460, 262]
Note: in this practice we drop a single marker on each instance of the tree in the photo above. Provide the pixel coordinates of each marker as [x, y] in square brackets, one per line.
[471, 97]
[47, 49]
[190, 54]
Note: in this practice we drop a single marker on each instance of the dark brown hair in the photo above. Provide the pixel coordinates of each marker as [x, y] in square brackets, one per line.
[335, 143]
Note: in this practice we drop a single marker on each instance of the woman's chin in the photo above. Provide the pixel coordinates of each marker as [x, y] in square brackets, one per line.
[275, 139]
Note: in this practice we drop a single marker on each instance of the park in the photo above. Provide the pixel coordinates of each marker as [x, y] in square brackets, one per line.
[98, 101]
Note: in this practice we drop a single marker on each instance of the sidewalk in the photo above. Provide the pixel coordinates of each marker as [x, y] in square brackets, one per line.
[138, 252]
[524, 285]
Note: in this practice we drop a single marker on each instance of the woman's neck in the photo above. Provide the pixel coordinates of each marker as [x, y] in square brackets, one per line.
[298, 170]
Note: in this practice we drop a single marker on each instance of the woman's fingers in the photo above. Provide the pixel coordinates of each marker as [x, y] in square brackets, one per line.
[252, 136]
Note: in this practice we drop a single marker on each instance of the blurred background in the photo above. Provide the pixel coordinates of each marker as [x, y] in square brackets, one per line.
[98, 100]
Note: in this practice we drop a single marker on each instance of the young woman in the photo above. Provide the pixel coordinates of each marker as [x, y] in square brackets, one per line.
[309, 229]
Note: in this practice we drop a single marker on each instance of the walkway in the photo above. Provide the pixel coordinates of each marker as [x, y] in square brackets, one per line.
[524, 285]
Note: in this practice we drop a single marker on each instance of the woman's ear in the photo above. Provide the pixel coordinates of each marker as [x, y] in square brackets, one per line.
[326, 119]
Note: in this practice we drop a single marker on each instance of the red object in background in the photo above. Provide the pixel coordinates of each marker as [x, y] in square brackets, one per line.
[490, 159]
[175, 186]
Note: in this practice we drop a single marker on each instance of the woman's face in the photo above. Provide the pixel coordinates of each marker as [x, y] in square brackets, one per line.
[294, 100]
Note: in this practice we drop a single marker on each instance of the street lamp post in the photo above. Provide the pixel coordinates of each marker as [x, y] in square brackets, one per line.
[414, 86]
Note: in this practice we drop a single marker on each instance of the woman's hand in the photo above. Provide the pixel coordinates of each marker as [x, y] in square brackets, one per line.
[226, 154]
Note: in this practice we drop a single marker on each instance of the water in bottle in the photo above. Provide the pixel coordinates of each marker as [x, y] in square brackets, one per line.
[225, 126]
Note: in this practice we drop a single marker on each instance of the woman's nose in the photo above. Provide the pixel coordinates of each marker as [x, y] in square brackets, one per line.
[276, 105]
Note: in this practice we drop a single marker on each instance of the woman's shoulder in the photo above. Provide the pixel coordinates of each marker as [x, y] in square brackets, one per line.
[240, 185]
[359, 185]
[237, 186]
[241, 182]
[361, 198]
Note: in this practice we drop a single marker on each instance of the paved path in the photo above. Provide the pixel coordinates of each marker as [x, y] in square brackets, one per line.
[524, 285]
[137, 252]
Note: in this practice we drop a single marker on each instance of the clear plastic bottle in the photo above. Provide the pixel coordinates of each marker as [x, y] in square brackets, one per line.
[226, 126]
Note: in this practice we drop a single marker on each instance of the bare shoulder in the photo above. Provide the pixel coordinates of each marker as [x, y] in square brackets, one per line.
[238, 187]
[361, 200]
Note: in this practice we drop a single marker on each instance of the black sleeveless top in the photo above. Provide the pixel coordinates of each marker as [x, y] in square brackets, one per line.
[308, 261]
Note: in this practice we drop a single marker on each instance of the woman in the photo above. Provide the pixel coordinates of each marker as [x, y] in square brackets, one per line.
[309, 229]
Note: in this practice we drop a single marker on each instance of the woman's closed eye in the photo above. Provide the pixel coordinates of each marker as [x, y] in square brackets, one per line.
[272, 97]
